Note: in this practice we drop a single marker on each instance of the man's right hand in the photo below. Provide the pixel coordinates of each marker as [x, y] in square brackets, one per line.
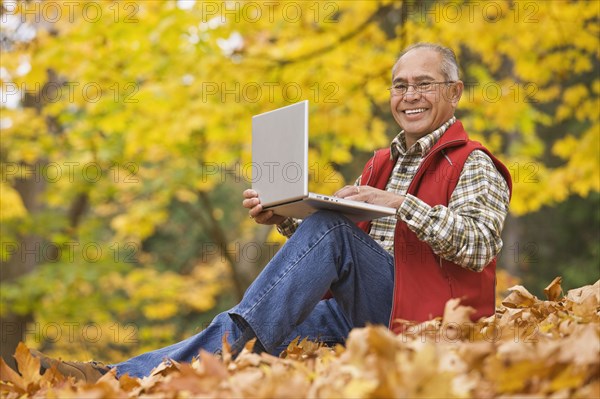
[255, 209]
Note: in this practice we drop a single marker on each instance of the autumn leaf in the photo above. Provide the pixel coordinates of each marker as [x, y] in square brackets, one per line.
[29, 366]
[534, 348]
[553, 291]
[10, 380]
[519, 297]
[456, 321]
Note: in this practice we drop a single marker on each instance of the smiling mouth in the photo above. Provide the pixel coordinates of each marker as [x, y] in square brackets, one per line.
[414, 111]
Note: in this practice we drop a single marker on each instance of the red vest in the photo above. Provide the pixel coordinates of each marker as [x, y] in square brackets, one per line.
[423, 281]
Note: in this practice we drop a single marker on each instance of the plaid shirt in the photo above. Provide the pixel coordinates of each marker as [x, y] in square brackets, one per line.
[467, 231]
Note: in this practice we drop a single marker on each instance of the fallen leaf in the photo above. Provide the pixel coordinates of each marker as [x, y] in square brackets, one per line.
[12, 381]
[553, 291]
[456, 322]
[519, 297]
[531, 348]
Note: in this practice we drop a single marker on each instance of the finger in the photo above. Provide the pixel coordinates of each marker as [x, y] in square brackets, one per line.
[360, 193]
[346, 191]
[255, 211]
[264, 217]
[351, 191]
[339, 192]
[356, 197]
[249, 193]
[250, 202]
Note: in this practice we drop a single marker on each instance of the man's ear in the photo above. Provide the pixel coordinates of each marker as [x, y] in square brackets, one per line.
[456, 91]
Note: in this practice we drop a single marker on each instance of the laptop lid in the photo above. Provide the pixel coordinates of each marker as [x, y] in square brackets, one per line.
[280, 154]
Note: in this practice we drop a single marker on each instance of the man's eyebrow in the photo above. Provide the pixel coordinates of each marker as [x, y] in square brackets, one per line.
[419, 78]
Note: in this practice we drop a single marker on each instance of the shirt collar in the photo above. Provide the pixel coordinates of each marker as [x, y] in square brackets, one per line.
[423, 145]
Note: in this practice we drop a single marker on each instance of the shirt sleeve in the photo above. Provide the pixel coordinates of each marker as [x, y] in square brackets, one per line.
[467, 231]
[289, 225]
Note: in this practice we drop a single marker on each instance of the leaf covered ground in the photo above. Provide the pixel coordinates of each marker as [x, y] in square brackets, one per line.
[531, 348]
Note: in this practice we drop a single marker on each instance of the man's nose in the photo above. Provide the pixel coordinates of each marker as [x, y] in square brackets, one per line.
[412, 93]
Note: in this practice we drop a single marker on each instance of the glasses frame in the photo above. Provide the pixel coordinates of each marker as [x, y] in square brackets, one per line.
[418, 87]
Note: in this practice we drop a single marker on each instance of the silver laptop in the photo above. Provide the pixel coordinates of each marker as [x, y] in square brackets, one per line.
[280, 168]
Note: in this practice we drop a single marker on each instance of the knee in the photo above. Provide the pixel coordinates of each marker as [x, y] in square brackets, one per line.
[326, 220]
[329, 217]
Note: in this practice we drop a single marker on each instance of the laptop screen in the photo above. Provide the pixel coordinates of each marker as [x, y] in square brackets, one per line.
[280, 153]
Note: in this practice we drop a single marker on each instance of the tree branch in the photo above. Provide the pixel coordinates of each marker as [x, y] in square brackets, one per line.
[342, 39]
[219, 235]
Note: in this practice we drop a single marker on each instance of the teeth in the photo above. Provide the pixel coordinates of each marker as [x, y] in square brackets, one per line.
[414, 111]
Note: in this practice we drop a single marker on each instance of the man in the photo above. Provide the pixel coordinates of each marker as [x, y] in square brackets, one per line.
[451, 197]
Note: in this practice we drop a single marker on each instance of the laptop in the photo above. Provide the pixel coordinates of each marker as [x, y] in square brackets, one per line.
[280, 169]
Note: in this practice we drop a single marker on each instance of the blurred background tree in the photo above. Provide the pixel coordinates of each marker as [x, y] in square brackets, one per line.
[125, 133]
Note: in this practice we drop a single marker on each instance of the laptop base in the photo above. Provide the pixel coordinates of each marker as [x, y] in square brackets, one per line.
[303, 208]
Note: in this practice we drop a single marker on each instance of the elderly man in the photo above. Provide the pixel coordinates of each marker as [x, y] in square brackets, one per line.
[451, 197]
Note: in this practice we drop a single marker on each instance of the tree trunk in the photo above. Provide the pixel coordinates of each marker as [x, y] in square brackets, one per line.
[25, 257]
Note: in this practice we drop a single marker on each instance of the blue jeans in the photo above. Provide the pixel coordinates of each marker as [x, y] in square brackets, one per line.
[327, 252]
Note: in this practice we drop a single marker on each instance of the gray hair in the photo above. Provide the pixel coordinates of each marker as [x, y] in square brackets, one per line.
[448, 66]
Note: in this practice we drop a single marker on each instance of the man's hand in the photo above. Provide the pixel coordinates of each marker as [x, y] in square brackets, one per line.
[255, 210]
[370, 195]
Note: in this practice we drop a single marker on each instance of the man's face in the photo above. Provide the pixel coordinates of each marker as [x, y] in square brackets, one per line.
[420, 113]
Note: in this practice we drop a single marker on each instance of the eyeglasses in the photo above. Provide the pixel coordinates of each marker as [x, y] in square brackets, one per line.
[401, 89]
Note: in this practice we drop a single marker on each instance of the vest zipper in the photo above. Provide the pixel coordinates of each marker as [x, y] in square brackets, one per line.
[441, 148]
[390, 327]
[370, 171]
[447, 158]
[430, 154]
[446, 276]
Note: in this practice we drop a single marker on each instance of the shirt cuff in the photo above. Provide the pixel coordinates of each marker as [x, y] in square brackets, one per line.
[288, 227]
[415, 213]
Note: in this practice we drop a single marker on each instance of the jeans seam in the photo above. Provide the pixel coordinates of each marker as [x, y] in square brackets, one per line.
[376, 248]
[288, 270]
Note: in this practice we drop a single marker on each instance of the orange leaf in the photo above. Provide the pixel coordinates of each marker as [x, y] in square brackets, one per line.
[457, 319]
[127, 383]
[29, 366]
[9, 375]
[212, 365]
[226, 351]
[553, 291]
[519, 297]
[455, 313]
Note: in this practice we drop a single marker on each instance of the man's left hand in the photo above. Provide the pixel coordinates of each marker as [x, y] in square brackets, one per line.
[370, 195]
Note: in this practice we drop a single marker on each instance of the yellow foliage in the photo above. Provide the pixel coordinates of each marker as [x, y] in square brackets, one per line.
[156, 84]
[159, 310]
[11, 205]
